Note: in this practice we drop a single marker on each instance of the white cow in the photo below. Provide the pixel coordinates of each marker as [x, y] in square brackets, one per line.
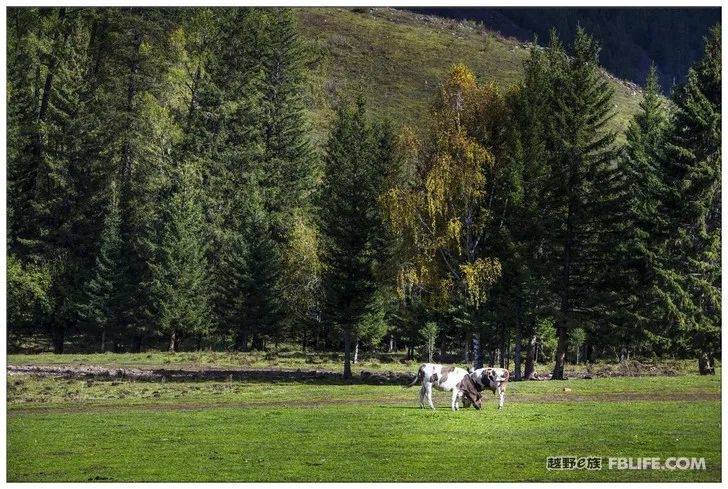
[443, 378]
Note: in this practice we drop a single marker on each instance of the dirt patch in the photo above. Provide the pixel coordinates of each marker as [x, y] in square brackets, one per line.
[388, 401]
[201, 375]
[631, 368]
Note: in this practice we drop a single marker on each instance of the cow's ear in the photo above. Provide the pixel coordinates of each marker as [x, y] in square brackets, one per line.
[470, 370]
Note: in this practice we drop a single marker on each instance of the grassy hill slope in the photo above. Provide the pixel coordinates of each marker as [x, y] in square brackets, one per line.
[399, 57]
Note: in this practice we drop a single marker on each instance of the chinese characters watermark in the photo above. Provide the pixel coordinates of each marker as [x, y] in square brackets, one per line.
[568, 462]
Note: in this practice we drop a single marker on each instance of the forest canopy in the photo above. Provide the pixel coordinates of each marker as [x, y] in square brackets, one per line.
[164, 188]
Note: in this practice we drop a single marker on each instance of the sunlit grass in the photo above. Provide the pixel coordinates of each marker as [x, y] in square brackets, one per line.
[74, 430]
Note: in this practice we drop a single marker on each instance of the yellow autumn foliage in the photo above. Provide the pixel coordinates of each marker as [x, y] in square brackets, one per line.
[440, 214]
[479, 276]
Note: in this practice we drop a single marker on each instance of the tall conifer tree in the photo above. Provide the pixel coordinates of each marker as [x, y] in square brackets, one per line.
[644, 227]
[105, 293]
[580, 191]
[693, 175]
[349, 220]
[180, 286]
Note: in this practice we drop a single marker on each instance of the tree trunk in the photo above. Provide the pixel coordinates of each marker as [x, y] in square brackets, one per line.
[565, 282]
[126, 168]
[241, 341]
[103, 340]
[390, 349]
[59, 335]
[193, 96]
[136, 343]
[173, 343]
[503, 351]
[347, 353]
[356, 352]
[517, 349]
[305, 340]
[507, 354]
[530, 370]
[477, 351]
[466, 350]
[47, 87]
[558, 373]
[706, 364]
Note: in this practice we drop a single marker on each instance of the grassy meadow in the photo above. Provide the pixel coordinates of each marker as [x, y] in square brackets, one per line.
[85, 430]
[398, 58]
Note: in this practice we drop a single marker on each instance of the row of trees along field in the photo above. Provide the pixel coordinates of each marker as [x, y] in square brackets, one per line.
[163, 184]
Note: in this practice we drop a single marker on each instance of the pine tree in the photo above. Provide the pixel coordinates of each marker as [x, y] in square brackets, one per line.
[581, 188]
[44, 175]
[23, 83]
[249, 297]
[520, 292]
[179, 286]
[230, 302]
[290, 169]
[262, 285]
[694, 206]
[349, 221]
[232, 144]
[104, 292]
[137, 134]
[644, 226]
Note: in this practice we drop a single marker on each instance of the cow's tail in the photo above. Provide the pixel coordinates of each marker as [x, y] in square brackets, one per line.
[420, 376]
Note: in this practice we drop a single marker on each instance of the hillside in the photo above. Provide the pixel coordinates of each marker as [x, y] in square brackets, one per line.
[632, 39]
[398, 57]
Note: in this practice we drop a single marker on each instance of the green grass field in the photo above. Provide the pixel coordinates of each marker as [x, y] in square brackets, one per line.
[78, 430]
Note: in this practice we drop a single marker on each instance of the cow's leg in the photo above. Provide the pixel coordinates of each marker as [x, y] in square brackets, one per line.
[429, 395]
[454, 405]
[422, 396]
[501, 395]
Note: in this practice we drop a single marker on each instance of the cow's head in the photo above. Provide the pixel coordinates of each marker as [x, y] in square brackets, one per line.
[471, 395]
[477, 402]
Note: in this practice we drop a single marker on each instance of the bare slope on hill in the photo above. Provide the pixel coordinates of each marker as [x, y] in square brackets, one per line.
[398, 58]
